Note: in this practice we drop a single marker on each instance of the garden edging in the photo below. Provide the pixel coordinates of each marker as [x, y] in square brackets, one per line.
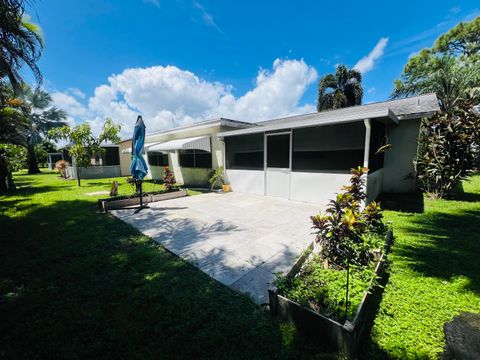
[119, 203]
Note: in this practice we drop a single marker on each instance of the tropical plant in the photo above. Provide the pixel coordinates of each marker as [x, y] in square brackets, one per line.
[21, 43]
[215, 175]
[83, 144]
[61, 167]
[451, 68]
[168, 179]
[339, 90]
[42, 117]
[449, 148]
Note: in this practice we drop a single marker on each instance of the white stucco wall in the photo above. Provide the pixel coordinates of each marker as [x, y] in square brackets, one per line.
[398, 170]
[317, 188]
[246, 181]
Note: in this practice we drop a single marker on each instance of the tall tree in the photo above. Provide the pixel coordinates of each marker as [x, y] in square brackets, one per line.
[83, 144]
[451, 68]
[339, 90]
[21, 42]
[42, 117]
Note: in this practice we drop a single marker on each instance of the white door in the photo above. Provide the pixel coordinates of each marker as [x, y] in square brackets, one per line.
[277, 165]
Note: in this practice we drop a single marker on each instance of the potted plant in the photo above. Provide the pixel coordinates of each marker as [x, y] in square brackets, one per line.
[226, 185]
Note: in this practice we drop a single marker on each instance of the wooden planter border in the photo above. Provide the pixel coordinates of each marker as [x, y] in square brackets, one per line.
[119, 203]
[341, 337]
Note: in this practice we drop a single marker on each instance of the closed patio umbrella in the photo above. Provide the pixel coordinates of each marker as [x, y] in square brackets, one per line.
[138, 166]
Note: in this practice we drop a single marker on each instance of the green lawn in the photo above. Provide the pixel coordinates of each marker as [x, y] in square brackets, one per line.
[434, 275]
[75, 283]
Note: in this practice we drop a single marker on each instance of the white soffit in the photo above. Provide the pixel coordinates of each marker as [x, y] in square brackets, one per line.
[146, 147]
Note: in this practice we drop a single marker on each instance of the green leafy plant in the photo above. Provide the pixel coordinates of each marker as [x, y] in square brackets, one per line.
[216, 175]
[168, 179]
[449, 147]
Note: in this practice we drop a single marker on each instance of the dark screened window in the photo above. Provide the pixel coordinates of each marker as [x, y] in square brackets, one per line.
[245, 152]
[278, 151]
[337, 147]
[195, 159]
[377, 140]
[111, 156]
[157, 158]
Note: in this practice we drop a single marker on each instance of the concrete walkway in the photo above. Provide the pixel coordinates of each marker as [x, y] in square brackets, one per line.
[240, 240]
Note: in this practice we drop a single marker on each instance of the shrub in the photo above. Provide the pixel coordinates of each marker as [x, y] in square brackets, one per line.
[215, 175]
[341, 231]
[449, 147]
[168, 179]
[61, 167]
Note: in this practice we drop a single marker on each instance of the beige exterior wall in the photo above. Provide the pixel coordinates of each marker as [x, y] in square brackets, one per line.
[398, 170]
[187, 176]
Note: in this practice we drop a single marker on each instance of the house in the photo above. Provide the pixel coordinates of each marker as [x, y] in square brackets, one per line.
[106, 165]
[304, 158]
[191, 151]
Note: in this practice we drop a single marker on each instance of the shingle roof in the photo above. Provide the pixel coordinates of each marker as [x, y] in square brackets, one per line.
[412, 107]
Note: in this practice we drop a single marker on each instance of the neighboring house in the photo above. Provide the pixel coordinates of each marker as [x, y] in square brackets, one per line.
[305, 158]
[191, 152]
[52, 158]
[101, 166]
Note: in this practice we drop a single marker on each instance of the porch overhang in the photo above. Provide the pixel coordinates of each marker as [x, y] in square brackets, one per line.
[146, 147]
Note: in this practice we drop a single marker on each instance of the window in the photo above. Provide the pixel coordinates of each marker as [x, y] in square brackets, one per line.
[245, 152]
[157, 158]
[328, 148]
[278, 151]
[111, 156]
[195, 159]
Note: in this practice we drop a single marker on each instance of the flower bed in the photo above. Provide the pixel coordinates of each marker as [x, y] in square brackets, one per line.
[332, 290]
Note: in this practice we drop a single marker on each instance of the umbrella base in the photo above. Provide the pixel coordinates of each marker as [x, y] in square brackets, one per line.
[141, 208]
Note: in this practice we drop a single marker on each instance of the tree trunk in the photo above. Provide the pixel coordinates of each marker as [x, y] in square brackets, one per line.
[32, 160]
[6, 180]
[78, 175]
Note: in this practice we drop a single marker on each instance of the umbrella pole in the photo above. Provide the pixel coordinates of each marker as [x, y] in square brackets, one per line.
[141, 199]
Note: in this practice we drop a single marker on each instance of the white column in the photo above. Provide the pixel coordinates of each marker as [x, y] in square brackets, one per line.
[368, 130]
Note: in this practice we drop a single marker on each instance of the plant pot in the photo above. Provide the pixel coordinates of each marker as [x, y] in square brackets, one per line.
[226, 188]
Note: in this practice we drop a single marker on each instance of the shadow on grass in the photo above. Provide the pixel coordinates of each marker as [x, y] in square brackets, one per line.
[460, 195]
[80, 284]
[450, 246]
[408, 202]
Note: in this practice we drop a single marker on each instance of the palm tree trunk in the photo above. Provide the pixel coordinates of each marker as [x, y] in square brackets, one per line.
[6, 179]
[32, 160]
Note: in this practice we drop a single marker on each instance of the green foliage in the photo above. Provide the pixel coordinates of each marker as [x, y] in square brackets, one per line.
[168, 179]
[83, 145]
[434, 275]
[215, 175]
[449, 148]
[21, 43]
[339, 90]
[451, 68]
[96, 288]
[15, 155]
[323, 290]
[341, 230]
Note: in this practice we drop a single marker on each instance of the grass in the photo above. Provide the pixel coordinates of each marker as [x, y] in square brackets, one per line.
[434, 274]
[78, 284]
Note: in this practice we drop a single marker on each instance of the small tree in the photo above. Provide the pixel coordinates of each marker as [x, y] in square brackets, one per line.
[449, 147]
[61, 167]
[168, 179]
[83, 144]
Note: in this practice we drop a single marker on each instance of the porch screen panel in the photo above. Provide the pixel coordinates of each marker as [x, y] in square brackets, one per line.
[337, 147]
[112, 156]
[245, 152]
[377, 140]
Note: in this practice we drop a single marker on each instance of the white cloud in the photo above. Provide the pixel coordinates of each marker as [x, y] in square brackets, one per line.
[367, 63]
[167, 96]
[371, 90]
[153, 2]
[206, 17]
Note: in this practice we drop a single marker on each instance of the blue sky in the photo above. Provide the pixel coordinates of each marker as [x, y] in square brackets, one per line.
[180, 61]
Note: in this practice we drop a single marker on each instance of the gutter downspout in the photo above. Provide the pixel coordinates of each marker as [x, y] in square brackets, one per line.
[368, 132]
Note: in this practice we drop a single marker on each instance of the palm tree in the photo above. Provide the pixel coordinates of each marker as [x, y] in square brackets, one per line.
[339, 90]
[42, 117]
[20, 42]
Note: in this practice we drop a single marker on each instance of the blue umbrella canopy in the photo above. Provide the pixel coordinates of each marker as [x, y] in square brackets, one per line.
[138, 167]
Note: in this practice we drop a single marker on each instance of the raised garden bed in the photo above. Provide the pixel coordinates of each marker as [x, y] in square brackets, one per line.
[120, 202]
[343, 336]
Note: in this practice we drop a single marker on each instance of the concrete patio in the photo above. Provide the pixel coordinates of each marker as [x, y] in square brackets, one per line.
[238, 239]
